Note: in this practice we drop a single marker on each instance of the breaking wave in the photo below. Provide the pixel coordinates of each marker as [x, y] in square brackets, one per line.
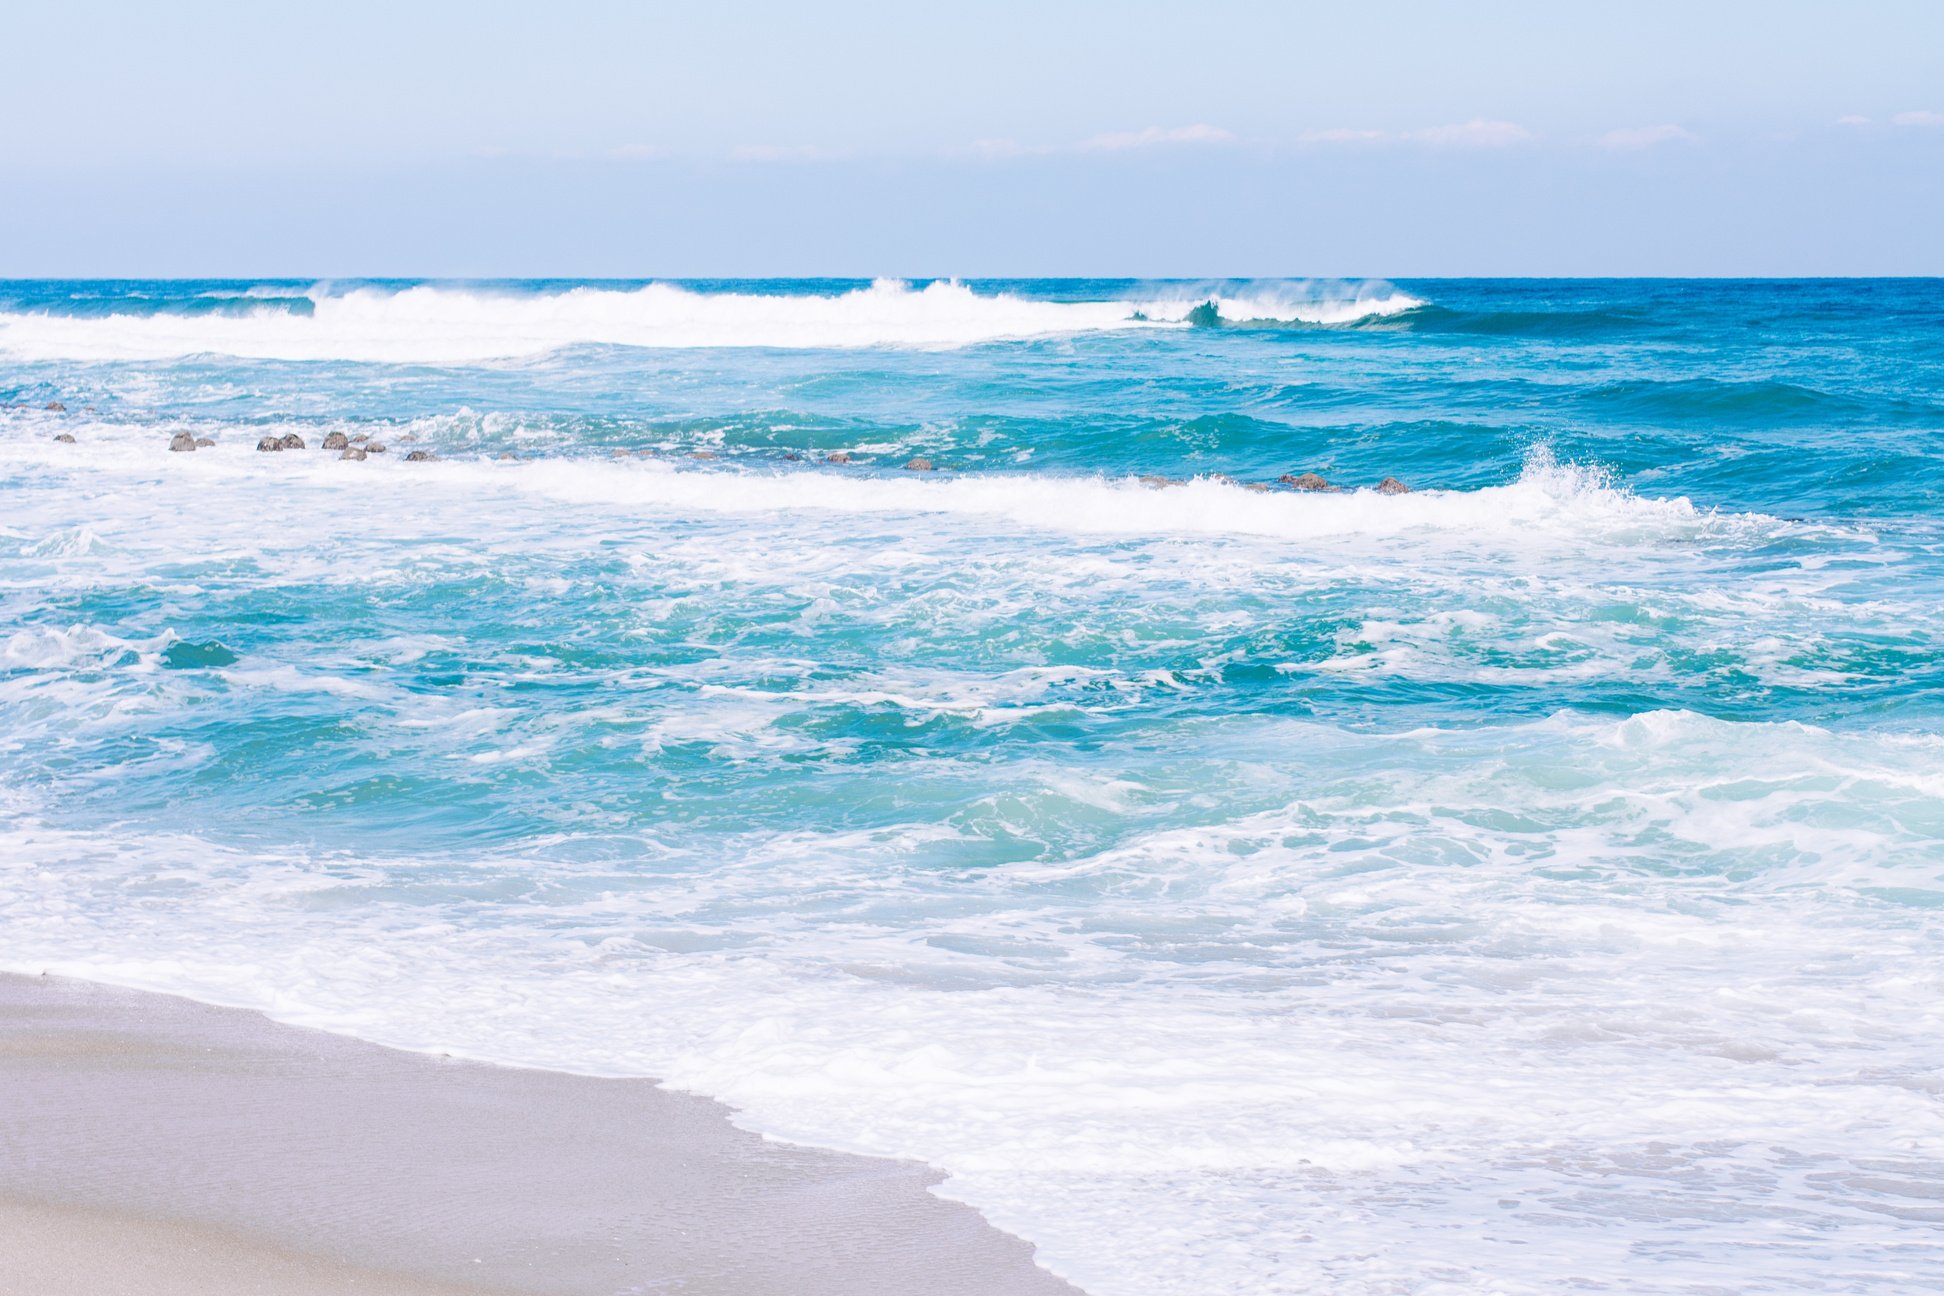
[454, 324]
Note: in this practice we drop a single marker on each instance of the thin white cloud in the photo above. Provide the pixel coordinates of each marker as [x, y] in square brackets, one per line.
[780, 153]
[1344, 136]
[1477, 133]
[1156, 136]
[1114, 142]
[1629, 139]
[1919, 119]
[1853, 120]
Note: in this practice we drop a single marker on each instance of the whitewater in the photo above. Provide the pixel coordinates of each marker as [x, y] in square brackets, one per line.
[1529, 883]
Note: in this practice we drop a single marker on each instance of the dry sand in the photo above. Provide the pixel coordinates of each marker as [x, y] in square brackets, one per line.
[156, 1146]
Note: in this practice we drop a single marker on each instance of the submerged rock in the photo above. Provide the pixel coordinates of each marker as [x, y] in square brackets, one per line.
[361, 438]
[1150, 479]
[267, 444]
[702, 454]
[838, 457]
[919, 465]
[420, 456]
[1308, 481]
[202, 442]
[353, 452]
[65, 438]
[506, 455]
[335, 441]
[291, 441]
[187, 654]
[57, 407]
[1392, 486]
[182, 441]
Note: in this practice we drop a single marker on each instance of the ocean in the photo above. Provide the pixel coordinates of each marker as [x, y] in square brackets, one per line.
[1529, 883]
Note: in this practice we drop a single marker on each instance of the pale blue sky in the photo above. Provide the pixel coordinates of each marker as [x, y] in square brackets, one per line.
[1400, 139]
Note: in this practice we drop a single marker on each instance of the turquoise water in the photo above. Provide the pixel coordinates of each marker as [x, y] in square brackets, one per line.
[1530, 883]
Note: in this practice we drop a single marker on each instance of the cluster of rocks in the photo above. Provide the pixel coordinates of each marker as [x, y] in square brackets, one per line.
[361, 445]
[1307, 481]
[348, 447]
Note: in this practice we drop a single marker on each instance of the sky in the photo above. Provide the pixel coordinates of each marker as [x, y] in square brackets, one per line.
[1399, 139]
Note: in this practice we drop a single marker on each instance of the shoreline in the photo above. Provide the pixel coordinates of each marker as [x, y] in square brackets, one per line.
[157, 1144]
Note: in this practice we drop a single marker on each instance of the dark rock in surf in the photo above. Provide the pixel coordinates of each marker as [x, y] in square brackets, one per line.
[65, 438]
[420, 456]
[506, 455]
[268, 444]
[702, 454]
[182, 441]
[353, 452]
[203, 443]
[361, 438]
[375, 447]
[57, 407]
[291, 441]
[1308, 481]
[919, 465]
[336, 441]
[1392, 486]
[1149, 479]
[838, 457]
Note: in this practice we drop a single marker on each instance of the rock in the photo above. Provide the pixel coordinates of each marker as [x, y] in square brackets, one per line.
[838, 457]
[919, 465]
[203, 442]
[1149, 479]
[361, 438]
[291, 441]
[1308, 481]
[65, 438]
[1392, 486]
[507, 454]
[420, 456]
[702, 454]
[619, 454]
[791, 456]
[1254, 486]
[353, 452]
[57, 407]
[408, 436]
[375, 447]
[336, 441]
[182, 441]
[267, 444]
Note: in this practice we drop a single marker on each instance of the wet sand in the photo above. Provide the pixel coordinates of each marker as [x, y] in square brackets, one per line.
[149, 1144]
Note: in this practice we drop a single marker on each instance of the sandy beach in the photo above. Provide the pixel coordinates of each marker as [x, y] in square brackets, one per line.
[154, 1145]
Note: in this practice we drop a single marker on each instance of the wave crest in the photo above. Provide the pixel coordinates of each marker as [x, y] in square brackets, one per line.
[451, 324]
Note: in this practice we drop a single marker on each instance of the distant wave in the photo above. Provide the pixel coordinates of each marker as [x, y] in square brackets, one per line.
[451, 324]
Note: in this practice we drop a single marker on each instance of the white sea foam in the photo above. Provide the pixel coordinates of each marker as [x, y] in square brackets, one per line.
[449, 324]
[1447, 985]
